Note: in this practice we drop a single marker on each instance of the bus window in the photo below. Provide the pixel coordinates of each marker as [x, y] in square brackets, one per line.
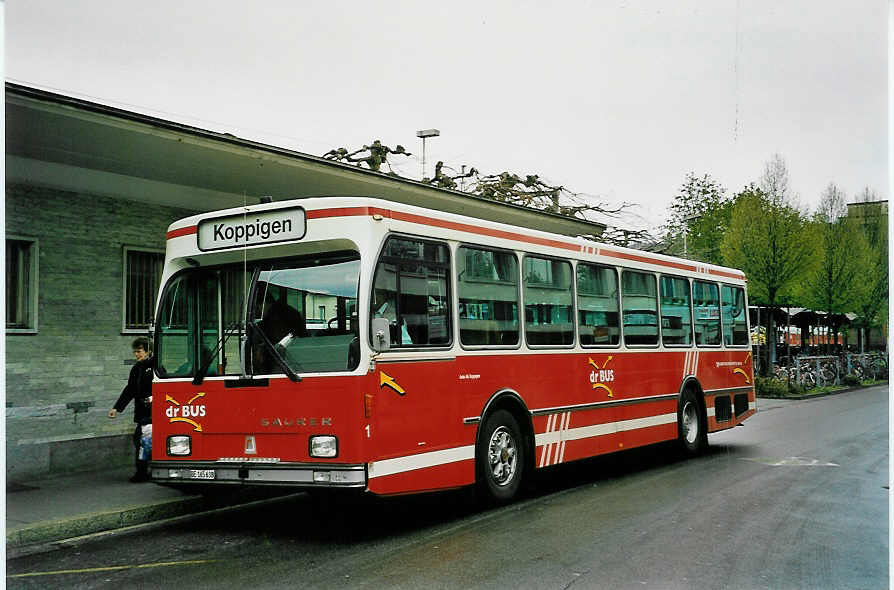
[597, 305]
[548, 302]
[676, 315]
[291, 300]
[735, 330]
[411, 290]
[174, 350]
[488, 297]
[639, 294]
[201, 310]
[706, 303]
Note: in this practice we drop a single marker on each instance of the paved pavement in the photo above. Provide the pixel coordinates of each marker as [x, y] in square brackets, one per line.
[57, 508]
[52, 509]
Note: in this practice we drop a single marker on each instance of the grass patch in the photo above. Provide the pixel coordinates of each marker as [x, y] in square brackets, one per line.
[774, 388]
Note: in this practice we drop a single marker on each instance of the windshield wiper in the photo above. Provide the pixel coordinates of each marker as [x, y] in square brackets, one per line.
[203, 370]
[276, 356]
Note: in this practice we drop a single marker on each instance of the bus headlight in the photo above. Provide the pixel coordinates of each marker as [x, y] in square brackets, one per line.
[179, 445]
[324, 446]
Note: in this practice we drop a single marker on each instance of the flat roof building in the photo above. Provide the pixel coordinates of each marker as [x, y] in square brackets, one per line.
[90, 192]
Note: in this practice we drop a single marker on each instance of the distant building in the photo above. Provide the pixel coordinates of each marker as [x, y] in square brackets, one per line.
[867, 209]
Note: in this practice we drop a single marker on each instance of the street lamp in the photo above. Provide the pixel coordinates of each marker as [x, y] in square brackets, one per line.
[423, 133]
[688, 219]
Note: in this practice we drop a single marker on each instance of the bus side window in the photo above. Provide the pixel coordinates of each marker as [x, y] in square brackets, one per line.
[640, 297]
[706, 302]
[549, 313]
[735, 330]
[411, 290]
[676, 314]
[597, 305]
[488, 297]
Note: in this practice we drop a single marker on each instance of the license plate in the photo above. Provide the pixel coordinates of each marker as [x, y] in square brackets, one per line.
[201, 474]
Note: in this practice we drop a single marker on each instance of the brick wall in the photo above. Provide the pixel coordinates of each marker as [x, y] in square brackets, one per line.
[79, 353]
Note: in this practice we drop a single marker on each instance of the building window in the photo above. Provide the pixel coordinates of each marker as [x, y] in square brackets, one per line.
[142, 276]
[21, 285]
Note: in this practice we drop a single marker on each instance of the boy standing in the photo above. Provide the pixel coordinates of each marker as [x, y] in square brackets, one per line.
[139, 389]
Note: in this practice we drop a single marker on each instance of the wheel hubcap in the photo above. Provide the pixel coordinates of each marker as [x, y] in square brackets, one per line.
[690, 423]
[503, 456]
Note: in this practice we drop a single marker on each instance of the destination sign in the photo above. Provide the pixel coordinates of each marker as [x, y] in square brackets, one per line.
[263, 227]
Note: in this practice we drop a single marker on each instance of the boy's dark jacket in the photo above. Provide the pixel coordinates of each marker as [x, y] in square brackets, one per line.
[138, 388]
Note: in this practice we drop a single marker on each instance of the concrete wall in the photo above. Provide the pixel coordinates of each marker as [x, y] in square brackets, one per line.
[79, 358]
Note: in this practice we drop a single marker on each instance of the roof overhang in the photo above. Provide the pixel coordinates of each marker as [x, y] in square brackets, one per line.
[84, 147]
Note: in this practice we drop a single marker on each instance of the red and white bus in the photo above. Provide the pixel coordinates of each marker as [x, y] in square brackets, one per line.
[350, 342]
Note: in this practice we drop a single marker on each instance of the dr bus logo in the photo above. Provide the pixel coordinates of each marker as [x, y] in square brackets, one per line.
[599, 376]
[177, 412]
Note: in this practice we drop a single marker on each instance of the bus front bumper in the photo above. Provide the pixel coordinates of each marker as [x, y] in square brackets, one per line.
[315, 475]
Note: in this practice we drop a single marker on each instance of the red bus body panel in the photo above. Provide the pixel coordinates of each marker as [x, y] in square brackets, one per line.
[425, 414]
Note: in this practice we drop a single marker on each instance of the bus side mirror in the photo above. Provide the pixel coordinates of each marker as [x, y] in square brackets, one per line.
[381, 334]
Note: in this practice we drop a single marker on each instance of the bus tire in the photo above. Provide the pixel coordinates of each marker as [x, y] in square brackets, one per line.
[692, 427]
[500, 457]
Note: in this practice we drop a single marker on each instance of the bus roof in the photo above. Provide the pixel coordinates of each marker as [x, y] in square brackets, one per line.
[402, 216]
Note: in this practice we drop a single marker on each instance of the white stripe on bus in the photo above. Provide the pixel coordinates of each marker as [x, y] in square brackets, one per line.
[606, 428]
[446, 456]
[420, 461]
[566, 423]
[550, 422]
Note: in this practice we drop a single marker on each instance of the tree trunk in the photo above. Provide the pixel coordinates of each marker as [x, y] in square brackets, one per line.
[772, 334]
[769, 356]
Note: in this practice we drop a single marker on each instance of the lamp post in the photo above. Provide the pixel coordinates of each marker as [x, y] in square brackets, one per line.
[424, 133]
[688, 219]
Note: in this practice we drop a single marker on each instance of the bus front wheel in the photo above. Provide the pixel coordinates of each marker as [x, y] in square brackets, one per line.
[691, 424]
[500, 457]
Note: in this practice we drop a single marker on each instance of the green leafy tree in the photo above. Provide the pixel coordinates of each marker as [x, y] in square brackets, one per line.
[699, 216]
[841, 253]
[766, 239]
[872, 220]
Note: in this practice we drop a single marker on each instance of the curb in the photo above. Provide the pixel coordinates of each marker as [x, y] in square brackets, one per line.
[824, 394]
[96, 522]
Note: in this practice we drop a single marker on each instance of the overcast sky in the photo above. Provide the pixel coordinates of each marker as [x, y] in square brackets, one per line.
[617, 99]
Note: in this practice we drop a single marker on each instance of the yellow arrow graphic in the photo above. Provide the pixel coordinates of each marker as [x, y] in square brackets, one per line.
[605, 387]
[171, 400]
[743, 373]
[197, 426]
[195, 397]
[592, 362]
[388, 380]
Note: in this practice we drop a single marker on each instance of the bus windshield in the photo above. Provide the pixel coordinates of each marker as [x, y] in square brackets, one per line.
[302, 314]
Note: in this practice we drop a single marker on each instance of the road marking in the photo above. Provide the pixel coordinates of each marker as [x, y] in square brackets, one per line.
[792, 462]
[113, 568]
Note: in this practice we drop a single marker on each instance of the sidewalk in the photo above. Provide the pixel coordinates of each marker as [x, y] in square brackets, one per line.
[62, 507]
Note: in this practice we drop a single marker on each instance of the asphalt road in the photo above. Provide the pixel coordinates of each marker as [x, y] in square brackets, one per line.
[797, 498]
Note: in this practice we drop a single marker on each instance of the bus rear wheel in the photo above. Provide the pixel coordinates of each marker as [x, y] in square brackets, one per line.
[691, 425]
[500, 457]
